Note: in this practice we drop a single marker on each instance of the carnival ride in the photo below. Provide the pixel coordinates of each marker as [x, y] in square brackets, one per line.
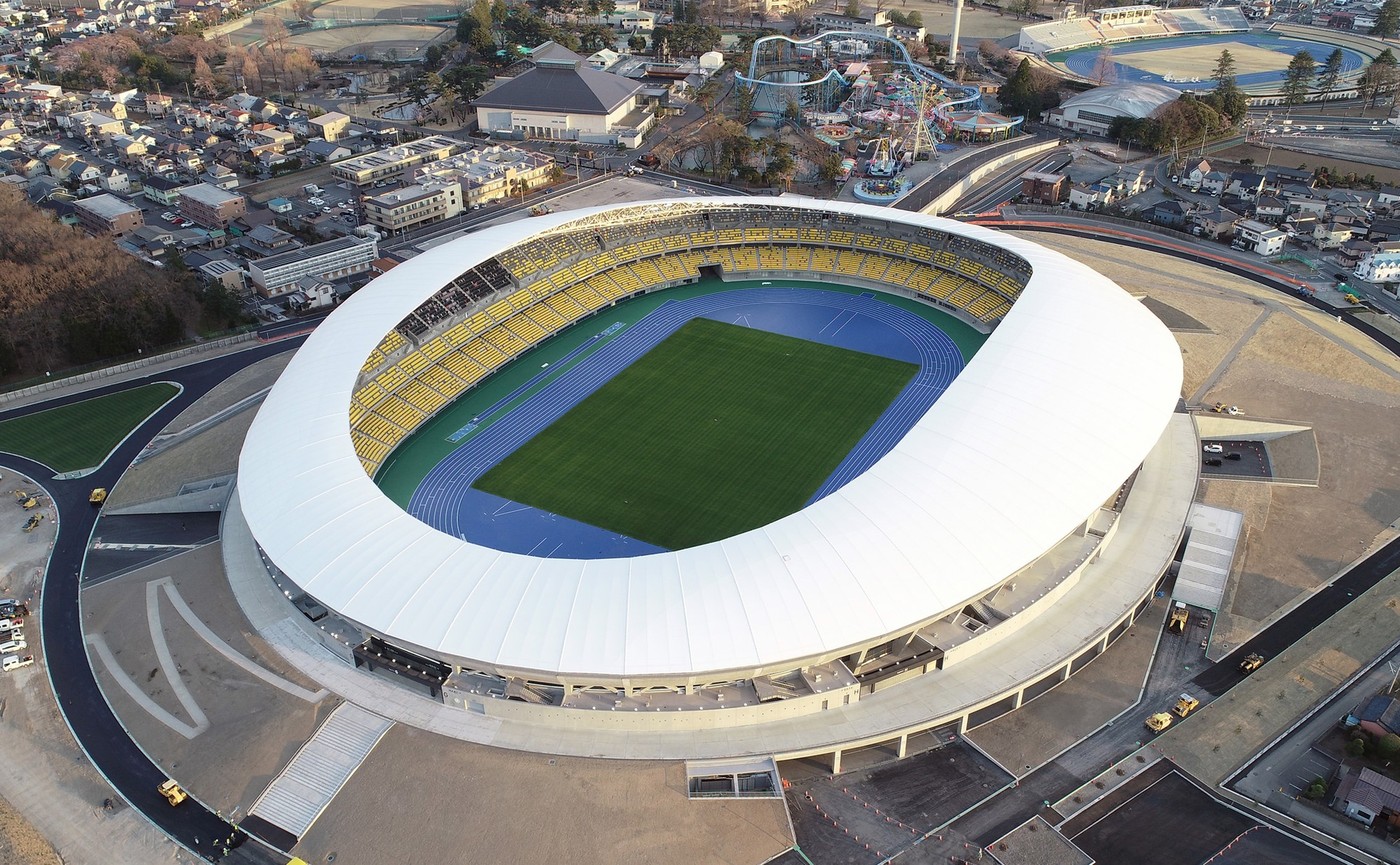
[845, 84]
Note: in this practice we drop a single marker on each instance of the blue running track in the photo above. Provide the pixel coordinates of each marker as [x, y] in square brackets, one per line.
[446, 500]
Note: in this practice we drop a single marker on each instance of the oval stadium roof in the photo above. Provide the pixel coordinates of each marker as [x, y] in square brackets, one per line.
[1051, 415]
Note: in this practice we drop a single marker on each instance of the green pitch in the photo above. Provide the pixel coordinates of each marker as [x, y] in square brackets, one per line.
[717, 430]
[80, 435]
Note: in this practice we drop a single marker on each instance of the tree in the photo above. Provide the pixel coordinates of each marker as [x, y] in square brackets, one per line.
[1356, 747]
[1105, 69]
[829, 170]
[468, 80]
[636, 43]
[1298, 78]
[1224, 73]
[1388, 747]
[1020, 95]
[204, 77]
[852, 9]
[1379, 77]
[1330, 74]
[1025, 8]
[302, 9]
[1387, 20]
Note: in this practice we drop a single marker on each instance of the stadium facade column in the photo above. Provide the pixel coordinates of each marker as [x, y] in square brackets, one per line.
[836, 762]
[903, 745]
[953, 37]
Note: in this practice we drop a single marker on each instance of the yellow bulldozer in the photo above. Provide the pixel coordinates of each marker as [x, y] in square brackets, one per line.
[33, 522]
[98, 496]
[1185, 705]
[1180, 616]
[1251, 662]
[1158, 722]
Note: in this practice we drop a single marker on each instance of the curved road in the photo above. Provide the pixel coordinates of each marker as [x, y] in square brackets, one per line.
[96, 728]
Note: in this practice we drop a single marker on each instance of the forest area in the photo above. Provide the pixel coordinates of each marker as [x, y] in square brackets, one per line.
[69, 299]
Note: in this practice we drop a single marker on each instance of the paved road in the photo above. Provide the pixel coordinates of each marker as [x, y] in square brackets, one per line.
[1006, 184]
[95, 726]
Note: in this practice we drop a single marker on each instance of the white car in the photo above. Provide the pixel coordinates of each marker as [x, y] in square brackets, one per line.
[1214, 449]
[11, 646]
[10, 624]
[14, 662]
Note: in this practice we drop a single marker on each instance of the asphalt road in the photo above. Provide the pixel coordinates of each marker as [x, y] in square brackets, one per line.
[96, 728]
[1006, 185]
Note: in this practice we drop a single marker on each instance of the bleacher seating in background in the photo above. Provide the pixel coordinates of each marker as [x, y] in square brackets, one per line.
[506, 305]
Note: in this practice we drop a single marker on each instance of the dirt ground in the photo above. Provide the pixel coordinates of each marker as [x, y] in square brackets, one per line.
[1277, 358]
[253, 725]
[1199, 61]
[455, 802]
[50, 795]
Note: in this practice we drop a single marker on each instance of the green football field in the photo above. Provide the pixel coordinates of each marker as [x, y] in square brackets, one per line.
[80, 435]
[717, 430]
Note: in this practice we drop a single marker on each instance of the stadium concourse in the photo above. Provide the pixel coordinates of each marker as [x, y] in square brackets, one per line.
[972, 535]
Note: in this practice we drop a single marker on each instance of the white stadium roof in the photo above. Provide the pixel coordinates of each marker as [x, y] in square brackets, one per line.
[1054, 412]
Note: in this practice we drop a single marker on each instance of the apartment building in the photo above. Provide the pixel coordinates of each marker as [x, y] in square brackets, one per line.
[278, 275]
[108, 215]
[393, 162]
[210, 206]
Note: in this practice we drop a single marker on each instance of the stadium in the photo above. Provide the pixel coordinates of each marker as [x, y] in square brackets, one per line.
[1178, 48]
[718, 463]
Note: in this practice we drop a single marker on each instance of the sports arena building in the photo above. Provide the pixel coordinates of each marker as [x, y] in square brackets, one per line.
[1018, 525]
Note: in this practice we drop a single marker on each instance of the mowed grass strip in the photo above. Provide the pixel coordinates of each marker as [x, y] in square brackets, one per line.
[81, 434]
[717, 430]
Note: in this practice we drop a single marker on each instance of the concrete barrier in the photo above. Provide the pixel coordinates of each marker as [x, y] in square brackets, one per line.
[959, 189]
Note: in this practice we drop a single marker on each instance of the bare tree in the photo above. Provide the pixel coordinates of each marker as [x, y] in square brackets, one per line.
[1105, 69]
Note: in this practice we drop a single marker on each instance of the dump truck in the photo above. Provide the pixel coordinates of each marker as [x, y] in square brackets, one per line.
[98, 496]
[1251, 662]
[1185, 704]
[172, 792]
[1180, 616]
[1158, 722]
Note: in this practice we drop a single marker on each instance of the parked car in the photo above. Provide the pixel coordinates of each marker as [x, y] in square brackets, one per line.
[1214, 448]
[14, 662]
[11, 646]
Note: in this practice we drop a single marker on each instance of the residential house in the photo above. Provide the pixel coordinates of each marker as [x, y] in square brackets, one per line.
[1259, 237]
[331, 126]
[1330, 234]
[1315, 206]
[1380, 265]
[1195, 174]
[1214, 182]
[1349, 254]
[162, 190]
[1172, 214]
[326, 151]
[1268, 208]
[1215, 222]
[1245, 184]
[1366, 795]
[1388, 196]
[116, 181]
[1095, 197]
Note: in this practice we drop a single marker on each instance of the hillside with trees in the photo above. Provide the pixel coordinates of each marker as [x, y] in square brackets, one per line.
[67, 298]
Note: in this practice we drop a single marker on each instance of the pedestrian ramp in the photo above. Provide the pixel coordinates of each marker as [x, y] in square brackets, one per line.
[298, 795]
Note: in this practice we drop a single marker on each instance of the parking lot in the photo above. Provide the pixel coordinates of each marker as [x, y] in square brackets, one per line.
[1236, 459]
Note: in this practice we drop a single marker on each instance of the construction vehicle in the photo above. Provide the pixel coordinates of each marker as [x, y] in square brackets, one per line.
[1180, 616]
[1251, 662]
[1222, 408]
[33, 522]
[30, 503]
[1158, 722]
[1185, 704]
[98, 496]
[172, 792]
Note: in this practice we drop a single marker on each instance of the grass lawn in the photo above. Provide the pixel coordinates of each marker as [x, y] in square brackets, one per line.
[80, 435]
[717, 430]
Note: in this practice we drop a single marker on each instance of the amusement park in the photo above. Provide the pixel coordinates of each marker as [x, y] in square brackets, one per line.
[849, 107]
